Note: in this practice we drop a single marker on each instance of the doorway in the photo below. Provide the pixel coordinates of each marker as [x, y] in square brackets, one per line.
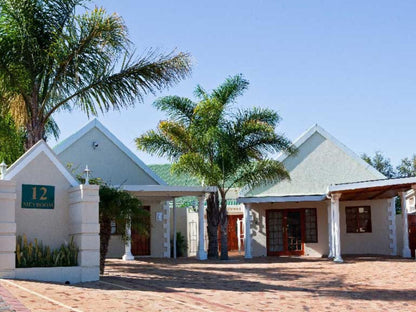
[235, 233]
[140, 244]
[285, 232]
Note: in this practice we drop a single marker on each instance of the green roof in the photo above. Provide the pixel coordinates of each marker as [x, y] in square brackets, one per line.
[164, 172]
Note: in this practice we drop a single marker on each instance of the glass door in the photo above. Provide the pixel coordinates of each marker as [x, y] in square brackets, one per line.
[285, 232]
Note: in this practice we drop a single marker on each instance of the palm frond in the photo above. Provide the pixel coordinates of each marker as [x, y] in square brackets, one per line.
[259, 173]
[232, 88]
[178, 108]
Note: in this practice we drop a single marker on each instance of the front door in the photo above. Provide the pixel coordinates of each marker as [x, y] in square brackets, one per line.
[232, 232]
[412, 233]
[140, 244]
[285, 232]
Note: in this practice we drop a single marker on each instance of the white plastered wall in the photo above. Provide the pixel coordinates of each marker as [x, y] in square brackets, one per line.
[157, 248]
[49, 225]
[376, 242]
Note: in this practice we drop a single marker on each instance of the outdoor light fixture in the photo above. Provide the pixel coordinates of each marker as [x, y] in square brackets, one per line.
[3, 168]
[94, 144]
[87, 175]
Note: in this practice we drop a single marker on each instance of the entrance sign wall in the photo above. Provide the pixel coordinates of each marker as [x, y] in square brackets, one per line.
[41, 199]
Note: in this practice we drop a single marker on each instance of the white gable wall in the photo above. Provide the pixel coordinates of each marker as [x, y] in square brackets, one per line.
[49, 225]
[318, 163]
[107, 161]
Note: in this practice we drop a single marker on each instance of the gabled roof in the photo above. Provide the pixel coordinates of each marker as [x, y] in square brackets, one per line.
[163, 170]
[61, 147]
[318, 129]
[321, 160]
[31, 154]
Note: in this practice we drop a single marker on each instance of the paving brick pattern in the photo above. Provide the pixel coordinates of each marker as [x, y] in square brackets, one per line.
[263, 284]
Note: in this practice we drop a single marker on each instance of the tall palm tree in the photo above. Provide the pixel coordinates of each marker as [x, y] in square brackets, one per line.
[222, 146]
[54, 59]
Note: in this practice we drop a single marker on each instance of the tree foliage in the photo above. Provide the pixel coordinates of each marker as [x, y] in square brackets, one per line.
[54, 59]
[120, 207]
[220, 145]
[407, 167]
[11, 140]
[381, 163]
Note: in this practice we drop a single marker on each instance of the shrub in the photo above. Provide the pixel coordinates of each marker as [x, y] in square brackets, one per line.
[34, 254]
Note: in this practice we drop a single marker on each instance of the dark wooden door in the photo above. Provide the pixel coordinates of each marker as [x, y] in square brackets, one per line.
[232, 233]
[140, 244]
[285, 231]
[412, 233]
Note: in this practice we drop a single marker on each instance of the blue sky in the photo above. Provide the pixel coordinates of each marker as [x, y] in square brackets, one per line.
[349, 66]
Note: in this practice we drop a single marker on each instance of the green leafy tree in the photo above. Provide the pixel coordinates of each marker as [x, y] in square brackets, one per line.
[407, 167]
[220, 145]
[11, 140]
[54, 59]
[119, 206]
[381, 163]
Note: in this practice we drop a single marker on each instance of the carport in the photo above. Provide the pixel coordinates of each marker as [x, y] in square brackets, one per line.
[369, 190]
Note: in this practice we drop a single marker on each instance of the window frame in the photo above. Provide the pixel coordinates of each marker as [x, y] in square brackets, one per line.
[358, 226]
[316, 226]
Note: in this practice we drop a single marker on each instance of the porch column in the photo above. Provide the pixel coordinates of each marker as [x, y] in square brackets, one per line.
[201, 254]
[330, 233]
[174, 228]
[247, 232]
[127, 247]
[406, 250]
[335, 223]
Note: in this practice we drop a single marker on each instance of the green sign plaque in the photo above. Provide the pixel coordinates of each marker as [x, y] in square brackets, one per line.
[38, 196]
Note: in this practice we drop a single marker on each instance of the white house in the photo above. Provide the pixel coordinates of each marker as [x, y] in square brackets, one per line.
[334, 204]
[109, 159]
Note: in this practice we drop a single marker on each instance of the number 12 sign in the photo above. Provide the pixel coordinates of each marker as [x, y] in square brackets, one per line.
[38, 196]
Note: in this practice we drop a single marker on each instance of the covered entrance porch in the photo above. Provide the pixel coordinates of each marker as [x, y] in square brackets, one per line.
[165, 195]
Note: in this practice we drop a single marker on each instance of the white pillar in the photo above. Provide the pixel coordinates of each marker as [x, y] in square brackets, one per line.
[127, 247]
[406, 250]
[166, 229]
[330, 233]
[391, 208]
[247, 232]
[201, 254]
[7, 228]
[85, 228]
[335, 223]
[174, 228]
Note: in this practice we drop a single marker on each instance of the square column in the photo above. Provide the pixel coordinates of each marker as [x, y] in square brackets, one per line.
[335, 226]
[85, 227]
[406, 250]
[330, 232]
[247, 232]
[166, 229]
[7, 228]
[201, 254]
[391, 208]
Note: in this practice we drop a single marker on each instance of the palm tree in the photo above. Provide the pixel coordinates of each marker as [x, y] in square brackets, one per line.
[222, 146]
[53, 59]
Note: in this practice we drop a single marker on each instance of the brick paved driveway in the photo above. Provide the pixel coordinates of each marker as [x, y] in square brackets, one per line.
[265, 284]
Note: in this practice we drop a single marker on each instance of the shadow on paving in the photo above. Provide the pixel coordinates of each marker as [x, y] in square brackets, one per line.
[167, 276]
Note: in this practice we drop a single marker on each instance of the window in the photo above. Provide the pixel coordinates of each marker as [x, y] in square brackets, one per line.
[114, 227]
[358, 219]
[311, 233]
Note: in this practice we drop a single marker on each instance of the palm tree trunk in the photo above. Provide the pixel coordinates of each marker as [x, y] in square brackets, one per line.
[35, 127]
[224, 228]
[212, 225]
[105, 234]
